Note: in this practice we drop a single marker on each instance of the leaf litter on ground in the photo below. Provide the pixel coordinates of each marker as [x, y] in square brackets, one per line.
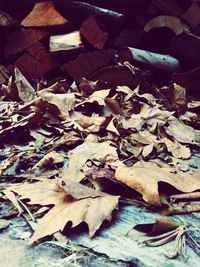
[74, 145]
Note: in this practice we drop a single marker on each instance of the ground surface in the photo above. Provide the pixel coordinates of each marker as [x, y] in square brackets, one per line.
[112, 246]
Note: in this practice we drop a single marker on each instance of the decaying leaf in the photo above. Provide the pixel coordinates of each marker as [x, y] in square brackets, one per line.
[183, 133]
[4, 224]
[73, 203]
[178, 150]
[145, 180]
[88, 151]
[64, 102]
[161, 226]
[49, 159]
[25, 90]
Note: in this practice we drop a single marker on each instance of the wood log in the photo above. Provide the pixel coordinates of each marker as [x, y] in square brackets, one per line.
[66, 42]
[35, 62]
[190, 80]
[44, 15]
[7, 23]
[77, 12]
[127, 7]
[17, 9]
[170, 7]
[4, 74]
[128, 38]
[19, 40]
[163, 62]
[186, 47]
[93, 34]
[192, 16]
[88, 63]
[171, 22]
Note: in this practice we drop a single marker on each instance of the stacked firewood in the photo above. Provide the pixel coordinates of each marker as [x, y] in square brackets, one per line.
[102, 40]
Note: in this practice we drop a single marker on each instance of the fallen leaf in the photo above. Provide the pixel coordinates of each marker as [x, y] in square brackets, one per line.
[25, 90]
[178, 151]
[98, 97]
[88, 151]
[64, 102]
[182, 133]
[161, 226]
[4, 224]
[90, 124]
[49, 159]
[73, 203]
[145, 180]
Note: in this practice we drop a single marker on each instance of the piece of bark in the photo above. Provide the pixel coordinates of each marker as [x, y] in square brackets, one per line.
[93, 34]
[6, 22]
[4, 74]
[186, 47]
[192, 16]
[171, 22]
[45, 15]
[19, 40]
[163, 62]
[88, 63]
[35, 62]
[66, 42]
[170, 7]
[77, 12]
[190, 80]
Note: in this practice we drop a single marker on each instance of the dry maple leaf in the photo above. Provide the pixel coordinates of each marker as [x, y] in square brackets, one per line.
[88, 151]
[73, 203]
[145, 180]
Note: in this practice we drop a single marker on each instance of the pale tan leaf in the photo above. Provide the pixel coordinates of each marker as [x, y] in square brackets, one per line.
[178, 151]
[11, 196]
[25, 90]
[90, 124]
[49, 159]
[147, 150]
[88, 151]
[41, 193]
[145, 180]
[98, 97]
[92, 211]
[72, 202]
[183, 133]
[64, 102]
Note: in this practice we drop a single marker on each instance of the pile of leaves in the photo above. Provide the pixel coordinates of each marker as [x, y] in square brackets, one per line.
[85, 127]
